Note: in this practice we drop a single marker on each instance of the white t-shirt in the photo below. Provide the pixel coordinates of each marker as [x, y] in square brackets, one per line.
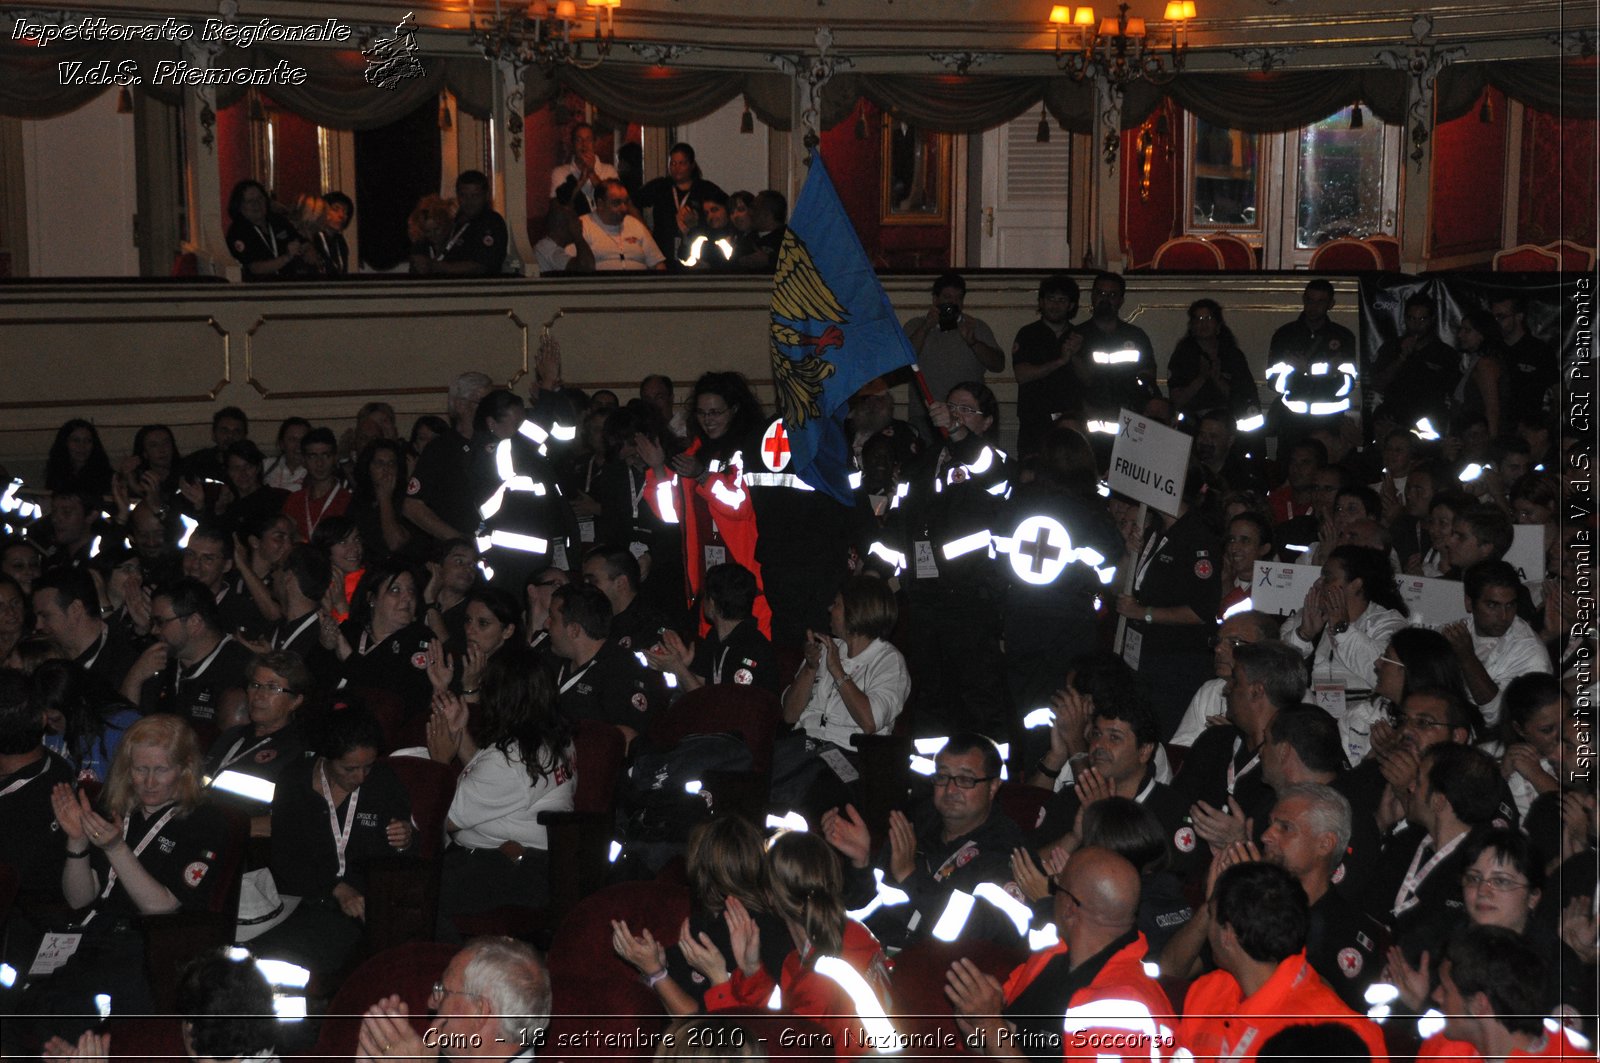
[1516, 652]
[551, 257]
[628, 246]
[497, 802]
[558, 177]
[880, 673]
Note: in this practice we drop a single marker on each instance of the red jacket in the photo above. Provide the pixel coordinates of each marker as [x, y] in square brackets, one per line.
[1085, 1035]
[805, 991]
[1557, 1045]
[1220, 1022]
[715, 514]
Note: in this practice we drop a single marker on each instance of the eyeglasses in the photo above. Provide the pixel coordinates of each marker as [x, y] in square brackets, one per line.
[969, 410]
[270, 688]
[1418, 723]
[713, 413]
[1232, 640]
[1386, 659]
[440, 991]
[1494, 883]
[163, 621]
[960, 782]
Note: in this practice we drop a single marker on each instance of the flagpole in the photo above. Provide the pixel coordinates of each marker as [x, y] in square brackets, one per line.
[927, 392]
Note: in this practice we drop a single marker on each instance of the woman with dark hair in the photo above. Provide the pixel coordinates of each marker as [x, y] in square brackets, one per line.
[1530, 737]
[702, 490]
[152, 471]
[953, 493]
[1177, 586]
[246, 500]
[1051, 585]
[674, 197]
[384, 646]
[1419, 658]
[263, 242]
[1449, 502]
[725, 860]
[1348, 618]
[78, 460]
[15, 618]
[519, 766]
[83, 728]
[378, 498]
[1207, 371]
[288, 471]
[339, 540]
[425, 430]
[322, 850]
[491, 620]
[1485, 380]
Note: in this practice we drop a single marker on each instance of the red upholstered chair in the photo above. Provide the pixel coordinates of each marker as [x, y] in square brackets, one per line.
[431, 787]
[1236, 253]
[1388, 249]
[403, 894]
[1346, 254]
[1575, 258]
[1526, 258]
[147, 1039]
[727, 708]
[389, 710]
[1023, 803]
[919, 1004]
[408, 970]
[1188, 254]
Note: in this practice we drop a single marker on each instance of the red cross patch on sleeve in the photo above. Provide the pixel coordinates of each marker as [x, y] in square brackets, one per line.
[195, 872]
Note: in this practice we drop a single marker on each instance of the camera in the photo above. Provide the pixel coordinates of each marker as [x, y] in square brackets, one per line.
[949, 316]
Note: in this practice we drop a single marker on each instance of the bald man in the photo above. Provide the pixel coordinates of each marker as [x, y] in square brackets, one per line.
[1099, 958]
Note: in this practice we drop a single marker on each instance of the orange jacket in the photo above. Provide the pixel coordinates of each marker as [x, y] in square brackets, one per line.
[1121, 979]
[1556, 1046]
[1220, 1023]
[714, 512]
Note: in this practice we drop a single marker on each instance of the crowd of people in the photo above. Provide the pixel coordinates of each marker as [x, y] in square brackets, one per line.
[1284, 813]
[596, 222]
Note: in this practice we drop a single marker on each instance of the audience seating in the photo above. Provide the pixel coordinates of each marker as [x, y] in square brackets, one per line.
[146, 1039]
[919, 1004]
[1575, 258]
[403, 893]
[408, 970]
[885, 782]
[1237, 254]
[725, 708]
[10, 884]
[1189, 254]
[1346, 254]
[1526, 258]
[1023, 803]
[173, 939]
[1388, 249]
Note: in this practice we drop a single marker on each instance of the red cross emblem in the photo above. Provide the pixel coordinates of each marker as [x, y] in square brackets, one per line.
[1350, 962]
[775, 447]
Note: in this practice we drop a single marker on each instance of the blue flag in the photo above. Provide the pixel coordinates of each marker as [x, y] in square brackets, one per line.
[832, 331]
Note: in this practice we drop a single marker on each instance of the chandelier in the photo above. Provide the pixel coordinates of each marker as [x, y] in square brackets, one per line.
[546, 35]
[1120, 47]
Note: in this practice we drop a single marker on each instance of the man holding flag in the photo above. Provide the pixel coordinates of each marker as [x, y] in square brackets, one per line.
[833, 330]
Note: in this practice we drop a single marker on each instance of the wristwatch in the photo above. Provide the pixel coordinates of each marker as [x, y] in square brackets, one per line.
[1149, 615]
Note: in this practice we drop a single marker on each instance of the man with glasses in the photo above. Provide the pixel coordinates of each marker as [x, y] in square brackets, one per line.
[1494, 644]
[1208, 707]
[192, 670]
[952, 346]
[66, 609]
[1119, 356]
[491, 1003]
[958, 840]
[1045, 359]
[1416, 890]
[619, 240]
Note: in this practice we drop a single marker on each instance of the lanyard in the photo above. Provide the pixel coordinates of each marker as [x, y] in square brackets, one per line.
[455, 237]
[1139, 798]
[341, 838]
[200, 669]
[1407, 898]
[99, 647]
[634, 497]
[1148, 554]
[269, 237]
[1233, 775]
[17, 784]
[230, 758]
[327, 500]
[579, 674]
[722, 660]
[311, 618]
[149, 835]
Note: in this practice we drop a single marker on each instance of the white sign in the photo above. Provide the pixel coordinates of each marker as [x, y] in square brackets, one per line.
[1527, 552]
[1433, 602]
[1281, 588]
[1149, 462]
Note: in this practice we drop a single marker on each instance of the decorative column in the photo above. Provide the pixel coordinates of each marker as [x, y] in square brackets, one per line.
[510, 166]
[1105, 202]
[208, 239]
[1423, 61]
[810, 74]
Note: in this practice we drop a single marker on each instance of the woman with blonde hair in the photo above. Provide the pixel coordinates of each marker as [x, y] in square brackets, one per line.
[429, 230]
[151, 847]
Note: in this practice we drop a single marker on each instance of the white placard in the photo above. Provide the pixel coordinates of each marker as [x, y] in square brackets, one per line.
[1149, 462]
[1280, 588]
[1433, 602]
[1527, 552]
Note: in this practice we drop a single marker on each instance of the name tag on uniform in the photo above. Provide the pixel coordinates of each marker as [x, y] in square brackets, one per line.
[638, 550]
[586, 529]
[558, 556]
[54, 950]
[840, 764]
[1330, 698]
[716, 555]
[1132, 645]
[925, 566]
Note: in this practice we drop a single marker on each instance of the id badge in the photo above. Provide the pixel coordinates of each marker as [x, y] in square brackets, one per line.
[586, 529]
[716, 555]
[1132, 645]
[1330, 698]
[840, 764]
[638, 550]
[926, 567]
[558, 555]
[54, 951]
